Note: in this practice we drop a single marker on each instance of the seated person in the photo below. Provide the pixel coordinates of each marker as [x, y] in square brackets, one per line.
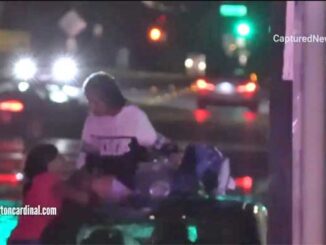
[112, 122]
[44, 186]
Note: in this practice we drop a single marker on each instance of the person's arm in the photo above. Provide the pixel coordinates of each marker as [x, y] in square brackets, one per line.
[223, 177]
[77, 188]
[146, 134]
[68, 192]
[86, 145]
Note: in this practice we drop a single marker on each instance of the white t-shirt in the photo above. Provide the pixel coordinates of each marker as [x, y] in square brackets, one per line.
[110, 135]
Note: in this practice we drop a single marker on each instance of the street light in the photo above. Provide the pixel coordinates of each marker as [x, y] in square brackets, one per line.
[156, 34]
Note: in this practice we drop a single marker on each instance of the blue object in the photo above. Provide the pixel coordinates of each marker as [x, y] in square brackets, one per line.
[201, 163]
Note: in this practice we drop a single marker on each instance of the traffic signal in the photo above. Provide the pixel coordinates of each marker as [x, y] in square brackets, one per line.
[243, 29]
[156, 34]
[233, 10]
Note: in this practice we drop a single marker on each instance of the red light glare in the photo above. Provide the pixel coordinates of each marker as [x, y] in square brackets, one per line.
[161, 19]
[9, 178]
[204, 85]
[201, 115]
[251, 87]
[201, 84]
[249, 116]
[244, 183]
[11, 106]
[247, 88]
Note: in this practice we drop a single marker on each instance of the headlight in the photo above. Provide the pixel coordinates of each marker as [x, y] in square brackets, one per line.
[25, 69]
[23, 86]
[58, 97]
[64, 69]
[225, 88]
[189, 63]
[71, 91]
[202, 66]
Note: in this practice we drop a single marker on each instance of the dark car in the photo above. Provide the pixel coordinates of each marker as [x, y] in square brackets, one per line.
[39, 109]
[234, 91]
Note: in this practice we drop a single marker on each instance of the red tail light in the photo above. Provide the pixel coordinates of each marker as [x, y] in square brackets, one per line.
[201, 115]
[249, 116]
[11, 178]
[11, 106]
[247, 88]
[204, 85]
[244, 183]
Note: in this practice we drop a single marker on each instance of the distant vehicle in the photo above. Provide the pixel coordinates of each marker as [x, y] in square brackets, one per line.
[227, 92]
[35, 110]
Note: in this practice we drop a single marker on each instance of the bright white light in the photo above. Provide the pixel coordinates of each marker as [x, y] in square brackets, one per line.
[64, 69]
[202, 66]
[58, 97]
[264, 209]
[189, 63]
[256, 209]
[226, 88]
[243, 59]
[53, 87]
[241, 42]
[71, 91]
[243, 29]
[23, 86]
[19, 176]
[25, 69]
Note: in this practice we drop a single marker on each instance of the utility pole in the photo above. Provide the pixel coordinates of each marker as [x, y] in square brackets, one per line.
[309, 133]
[280, 158]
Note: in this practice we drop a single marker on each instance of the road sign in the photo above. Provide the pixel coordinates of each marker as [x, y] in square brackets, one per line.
[11, 41]
[72, 24]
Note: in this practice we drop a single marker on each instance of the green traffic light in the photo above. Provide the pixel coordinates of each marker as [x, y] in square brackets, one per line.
[230, 10]
[243, 29]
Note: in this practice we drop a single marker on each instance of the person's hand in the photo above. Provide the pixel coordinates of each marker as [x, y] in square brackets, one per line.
[110, 189]
[66, 191]
[102, 186]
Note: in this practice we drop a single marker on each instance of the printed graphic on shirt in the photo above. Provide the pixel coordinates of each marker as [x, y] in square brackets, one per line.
[113, 146]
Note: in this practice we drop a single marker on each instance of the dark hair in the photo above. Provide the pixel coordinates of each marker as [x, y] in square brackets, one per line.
[37, 162]
[106, 87]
